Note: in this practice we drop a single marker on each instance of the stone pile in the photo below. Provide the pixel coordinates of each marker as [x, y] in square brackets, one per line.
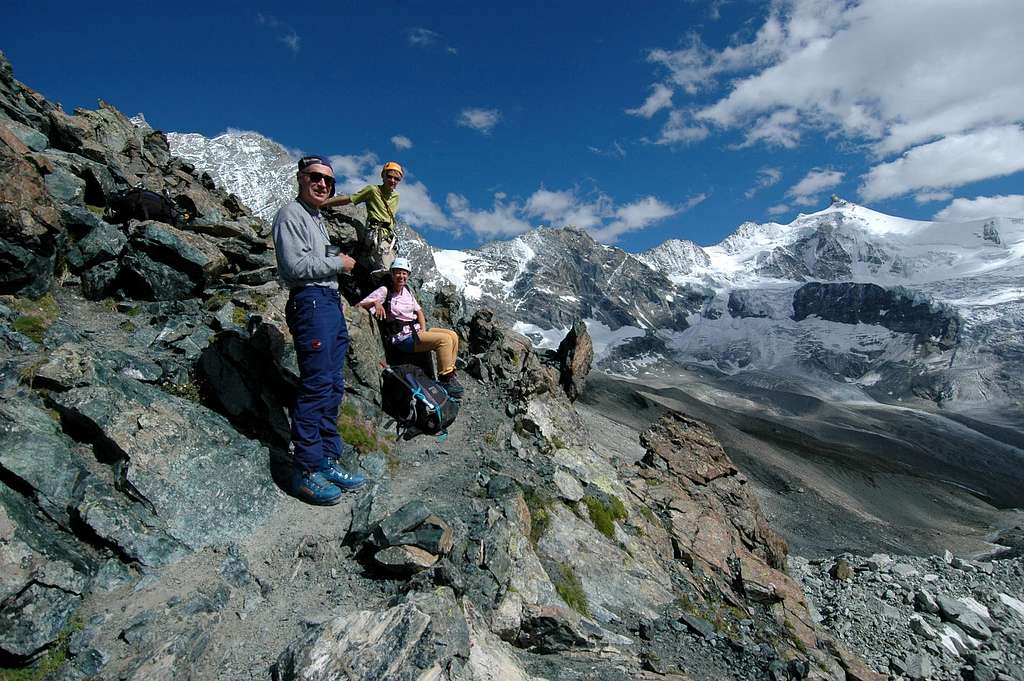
[940, 617]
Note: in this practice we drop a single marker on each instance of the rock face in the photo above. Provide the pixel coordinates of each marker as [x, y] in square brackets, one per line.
[896, 309]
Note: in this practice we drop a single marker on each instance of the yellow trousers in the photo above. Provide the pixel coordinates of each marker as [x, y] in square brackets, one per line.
[445, 343]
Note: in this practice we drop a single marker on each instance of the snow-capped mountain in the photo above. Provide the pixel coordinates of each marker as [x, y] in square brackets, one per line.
[851, 302]
[260, 171]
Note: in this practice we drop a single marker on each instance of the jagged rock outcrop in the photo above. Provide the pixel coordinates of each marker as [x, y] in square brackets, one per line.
[575, 356]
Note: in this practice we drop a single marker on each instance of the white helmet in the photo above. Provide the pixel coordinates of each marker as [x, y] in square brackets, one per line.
[401, 263]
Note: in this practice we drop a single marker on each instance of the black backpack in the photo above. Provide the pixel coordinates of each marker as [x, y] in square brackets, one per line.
[142, 204]
[418, 403]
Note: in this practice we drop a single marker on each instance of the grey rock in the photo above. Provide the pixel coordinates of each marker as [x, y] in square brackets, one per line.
[925, 602]
[918, 666]
[34, 618]
[698, 625]
[569, 488]
[34, 450]
[205, 481]
[404, 642]
[960, 614]
[130, 527]
[102, 243]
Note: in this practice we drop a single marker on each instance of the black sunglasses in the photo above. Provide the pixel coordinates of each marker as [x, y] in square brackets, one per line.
[316, 177]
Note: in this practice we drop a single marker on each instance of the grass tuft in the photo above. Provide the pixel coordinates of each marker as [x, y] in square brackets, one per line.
[360, 432]
[570, 589]
[539, 504]
[604, 512]
[35, 316]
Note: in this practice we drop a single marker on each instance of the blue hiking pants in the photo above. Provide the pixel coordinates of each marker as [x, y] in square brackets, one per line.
[318, 328]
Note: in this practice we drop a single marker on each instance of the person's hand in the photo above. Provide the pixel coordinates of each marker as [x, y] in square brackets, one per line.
[347, 263]
[378, 311]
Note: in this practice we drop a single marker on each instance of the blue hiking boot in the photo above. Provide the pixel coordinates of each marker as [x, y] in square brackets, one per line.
[342, 478]
[451, 384]
[315, 488]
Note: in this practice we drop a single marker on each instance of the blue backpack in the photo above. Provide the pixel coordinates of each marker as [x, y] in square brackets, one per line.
[417, 403]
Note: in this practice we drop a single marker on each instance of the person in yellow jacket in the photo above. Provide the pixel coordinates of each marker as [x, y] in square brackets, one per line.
[380, 239]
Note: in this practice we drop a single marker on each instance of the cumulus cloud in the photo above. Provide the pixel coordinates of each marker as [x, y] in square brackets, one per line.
[949, 162]
[500, 221]
[401, 142]
[778, 209]
[679, 130]
[481, 120]
[660, 98]
[982, 207]
[766, 177]
[884, 76]
[804, 192]
[639, 215]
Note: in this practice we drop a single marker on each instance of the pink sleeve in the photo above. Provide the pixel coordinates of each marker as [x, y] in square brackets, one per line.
[377, 296]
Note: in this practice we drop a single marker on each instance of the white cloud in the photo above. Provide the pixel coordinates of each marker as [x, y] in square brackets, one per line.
[804, 192]
[401, 142]
[929, 197]
[614, 150]
[677, 130]
[481, 120]
[562, 208]
[766, 177]
[660, 98]
[422, 37]
[949, 162]
[982, 207]
[639, 215]
[778, 209]
[885, 76]
[500, 221]
[288, 37]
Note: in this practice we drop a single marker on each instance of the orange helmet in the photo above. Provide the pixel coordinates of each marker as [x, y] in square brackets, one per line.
[391, 165]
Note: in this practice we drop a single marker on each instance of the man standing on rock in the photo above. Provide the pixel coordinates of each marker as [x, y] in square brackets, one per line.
[309, 267]
[380, 239]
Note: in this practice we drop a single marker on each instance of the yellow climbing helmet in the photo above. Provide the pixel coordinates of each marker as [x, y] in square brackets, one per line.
[391, 165]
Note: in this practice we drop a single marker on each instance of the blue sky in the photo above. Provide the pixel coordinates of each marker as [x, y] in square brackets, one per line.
[638, 121]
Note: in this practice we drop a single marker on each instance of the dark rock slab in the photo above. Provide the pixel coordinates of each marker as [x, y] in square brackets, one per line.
[36, 452]
[130, 527]
[207, 482]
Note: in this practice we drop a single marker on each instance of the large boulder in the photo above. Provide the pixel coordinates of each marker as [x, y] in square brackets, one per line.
[575, 356]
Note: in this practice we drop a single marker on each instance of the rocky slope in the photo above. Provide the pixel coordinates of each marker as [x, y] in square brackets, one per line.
[144, 533]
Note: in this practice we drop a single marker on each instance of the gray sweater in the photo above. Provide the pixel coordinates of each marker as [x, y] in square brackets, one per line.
[300, 241]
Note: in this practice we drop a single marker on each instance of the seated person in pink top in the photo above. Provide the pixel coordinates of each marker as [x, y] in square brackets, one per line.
[405, 326]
